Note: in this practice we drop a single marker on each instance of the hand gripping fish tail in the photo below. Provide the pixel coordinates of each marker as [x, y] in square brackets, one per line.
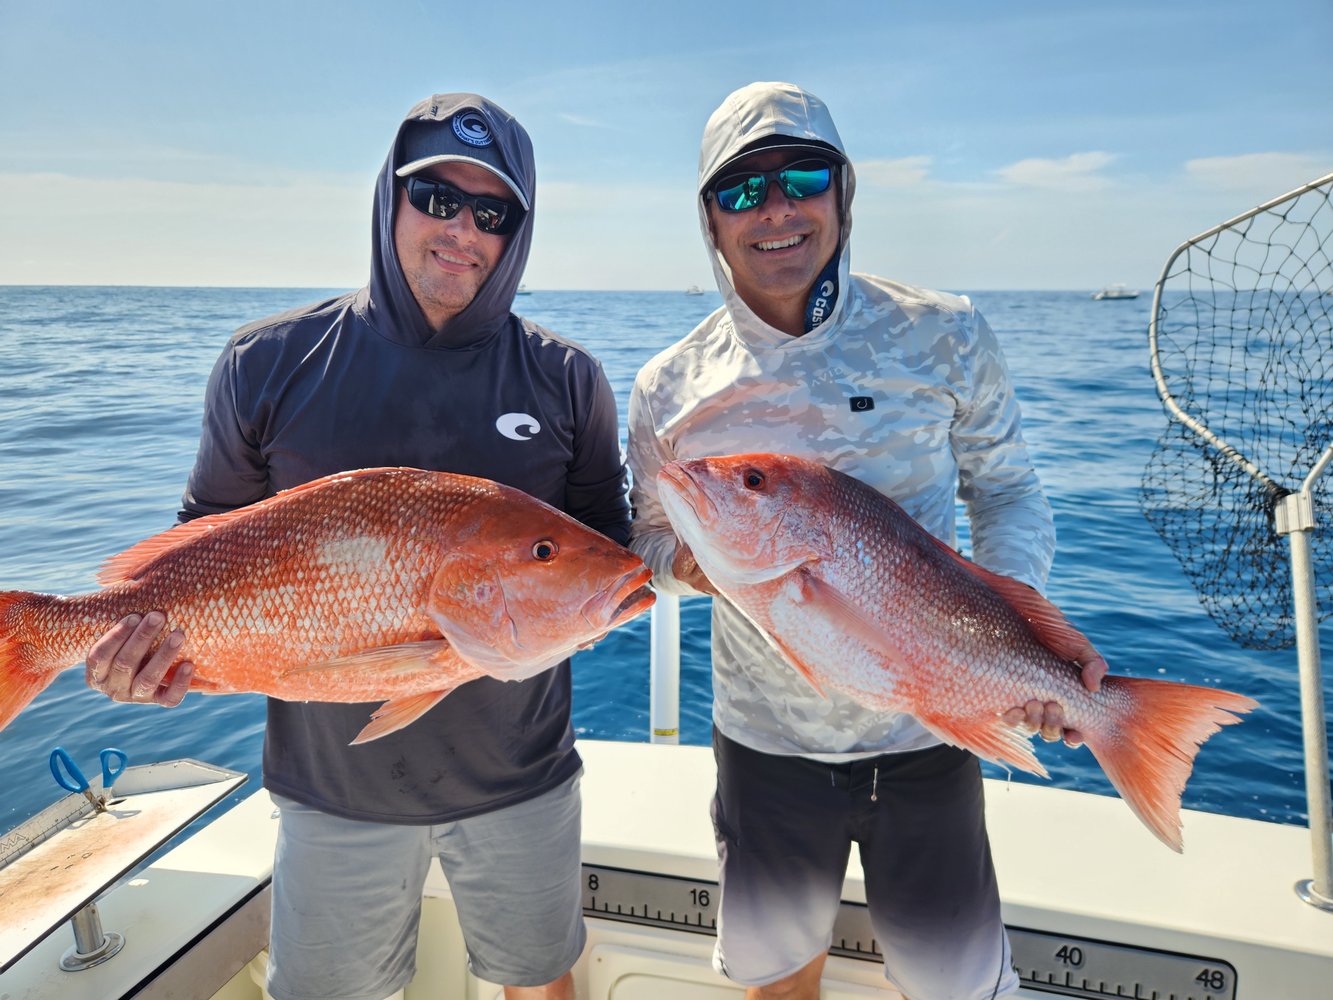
[1145, 737]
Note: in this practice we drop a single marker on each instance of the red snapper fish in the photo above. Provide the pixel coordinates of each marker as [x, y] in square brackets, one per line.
[861, 599]
[393, 585]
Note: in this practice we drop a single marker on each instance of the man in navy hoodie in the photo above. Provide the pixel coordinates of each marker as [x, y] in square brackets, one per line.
[426, 366]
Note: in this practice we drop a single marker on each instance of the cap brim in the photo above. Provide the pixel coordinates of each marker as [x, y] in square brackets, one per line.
[416, 166]
[773, 142]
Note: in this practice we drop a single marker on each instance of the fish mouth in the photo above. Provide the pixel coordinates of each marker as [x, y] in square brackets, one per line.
[686, 489]
[627, 597]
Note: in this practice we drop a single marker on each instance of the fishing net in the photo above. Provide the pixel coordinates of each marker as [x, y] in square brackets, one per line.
[1243, 346]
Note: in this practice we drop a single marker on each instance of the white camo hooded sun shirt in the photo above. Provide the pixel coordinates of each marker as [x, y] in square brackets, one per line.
[900, 387]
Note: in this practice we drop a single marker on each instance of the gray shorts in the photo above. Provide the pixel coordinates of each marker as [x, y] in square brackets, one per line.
[785, 827]
[347, 897]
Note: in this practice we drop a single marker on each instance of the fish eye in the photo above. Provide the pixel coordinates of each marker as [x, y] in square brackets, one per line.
[753, 479]
[545, 550]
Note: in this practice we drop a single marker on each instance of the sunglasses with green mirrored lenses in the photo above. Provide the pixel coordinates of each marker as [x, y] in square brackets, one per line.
[443, 201]
[740, 192]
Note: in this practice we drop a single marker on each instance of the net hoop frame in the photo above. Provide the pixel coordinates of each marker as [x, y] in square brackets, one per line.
[1159, 377]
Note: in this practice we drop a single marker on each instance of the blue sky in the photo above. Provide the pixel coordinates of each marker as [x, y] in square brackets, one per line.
[999, 145]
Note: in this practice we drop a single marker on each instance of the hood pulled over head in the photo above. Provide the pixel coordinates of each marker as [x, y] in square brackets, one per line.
[773, 115]
[471, 129]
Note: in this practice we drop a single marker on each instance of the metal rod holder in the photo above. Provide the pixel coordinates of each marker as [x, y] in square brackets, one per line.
[92, 946]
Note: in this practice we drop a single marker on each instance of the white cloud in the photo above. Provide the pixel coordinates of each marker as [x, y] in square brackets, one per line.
[1077, 172]
[314, 231]
[908, 171]
[970, 237]
[1273, 172]
[581, 120]
[76, 230]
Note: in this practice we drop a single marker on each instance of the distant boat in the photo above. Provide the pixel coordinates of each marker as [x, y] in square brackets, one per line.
[523, 290]
[694, 290]
[1116, 292]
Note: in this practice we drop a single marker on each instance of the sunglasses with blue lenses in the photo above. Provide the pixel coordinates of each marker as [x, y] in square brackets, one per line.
[443, 201]
[743, 191]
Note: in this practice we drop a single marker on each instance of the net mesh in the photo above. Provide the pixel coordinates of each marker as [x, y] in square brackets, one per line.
[1244, 344]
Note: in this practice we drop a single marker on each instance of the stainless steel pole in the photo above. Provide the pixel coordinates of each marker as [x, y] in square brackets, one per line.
[1295, 519]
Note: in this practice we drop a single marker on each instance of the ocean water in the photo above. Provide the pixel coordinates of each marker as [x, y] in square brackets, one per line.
[100, 393]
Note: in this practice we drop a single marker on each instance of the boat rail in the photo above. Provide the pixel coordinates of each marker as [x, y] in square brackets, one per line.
[664, 670]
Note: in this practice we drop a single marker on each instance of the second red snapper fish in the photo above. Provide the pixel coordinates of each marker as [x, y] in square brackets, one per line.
[862, 599]
[380, 584]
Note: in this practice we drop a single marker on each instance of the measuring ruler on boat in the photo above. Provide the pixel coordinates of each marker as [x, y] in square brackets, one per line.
[45, 825]
[1057, 964]
[685, 904]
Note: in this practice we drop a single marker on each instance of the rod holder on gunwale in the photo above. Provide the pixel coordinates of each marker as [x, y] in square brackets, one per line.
[92, 946]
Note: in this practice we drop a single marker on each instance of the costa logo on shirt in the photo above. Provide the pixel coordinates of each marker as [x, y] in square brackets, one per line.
[517, 426]
[860, 404]
[472, 128]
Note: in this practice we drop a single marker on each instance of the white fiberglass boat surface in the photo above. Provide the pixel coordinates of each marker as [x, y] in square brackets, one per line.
[1095, 905]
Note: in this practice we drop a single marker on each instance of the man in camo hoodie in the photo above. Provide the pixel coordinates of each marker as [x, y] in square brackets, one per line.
[905, 389]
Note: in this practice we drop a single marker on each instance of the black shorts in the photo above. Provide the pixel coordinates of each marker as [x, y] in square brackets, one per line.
[785, 826]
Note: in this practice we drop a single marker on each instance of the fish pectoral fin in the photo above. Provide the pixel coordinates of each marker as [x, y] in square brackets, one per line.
[433, 659]
[989, 737]
[826, 601]
[431, 655]
[396, 713]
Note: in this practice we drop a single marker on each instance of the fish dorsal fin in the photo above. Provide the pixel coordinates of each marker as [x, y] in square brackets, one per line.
[131, 563]
[1049, 625]
[134, 560]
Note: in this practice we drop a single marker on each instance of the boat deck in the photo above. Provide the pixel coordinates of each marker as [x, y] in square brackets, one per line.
[1094, 903]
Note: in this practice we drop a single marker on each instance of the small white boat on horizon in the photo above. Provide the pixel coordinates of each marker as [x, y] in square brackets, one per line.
[1116, 292]
[694, 290]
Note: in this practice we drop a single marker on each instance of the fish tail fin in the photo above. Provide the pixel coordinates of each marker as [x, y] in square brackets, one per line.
[23, 676]
[1148, 751]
